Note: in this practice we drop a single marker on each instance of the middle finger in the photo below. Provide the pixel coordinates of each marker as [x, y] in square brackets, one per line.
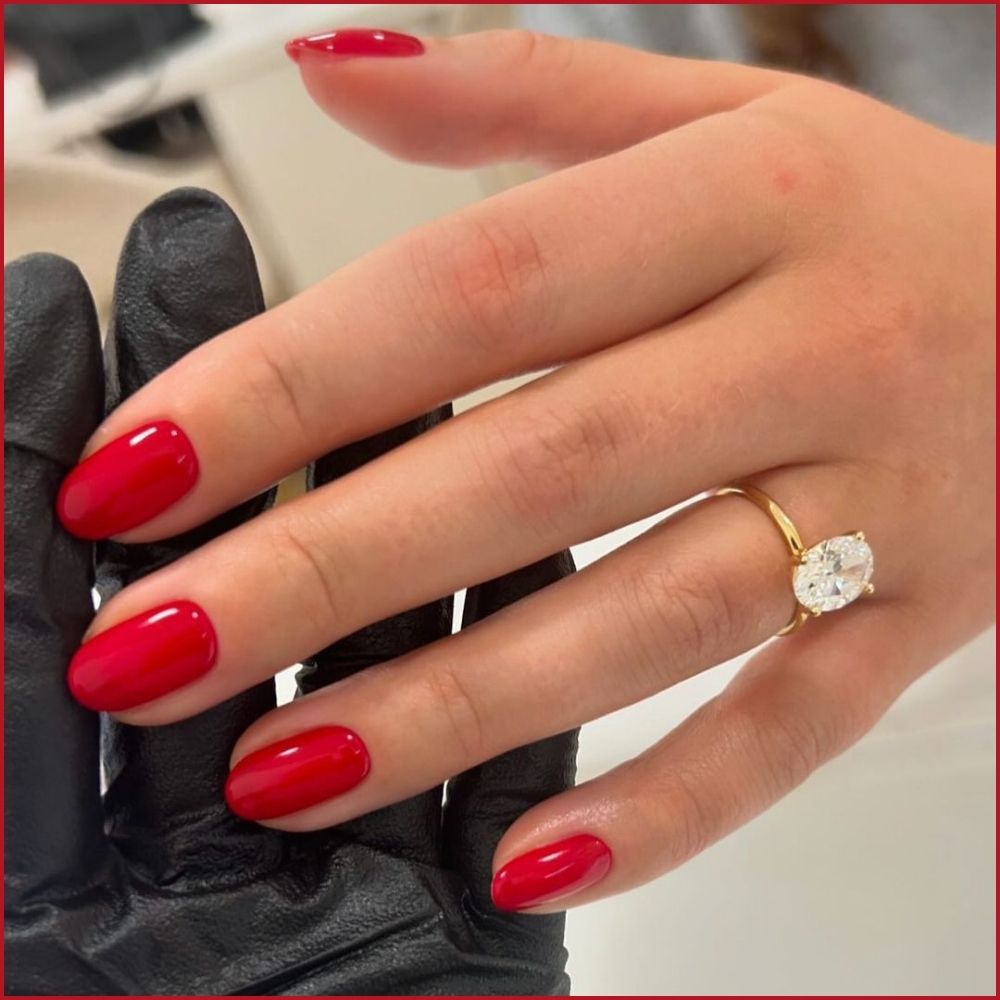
[603, 442]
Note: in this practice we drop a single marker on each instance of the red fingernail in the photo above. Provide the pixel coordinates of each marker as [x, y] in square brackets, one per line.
[296, 773]
[128, 481]
[551, 872]
[143, 658]
[350, 42]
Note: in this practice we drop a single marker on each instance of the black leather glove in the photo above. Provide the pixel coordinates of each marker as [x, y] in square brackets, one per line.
[157, 889]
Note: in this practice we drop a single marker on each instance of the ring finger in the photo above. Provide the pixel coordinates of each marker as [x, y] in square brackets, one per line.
[704, 586]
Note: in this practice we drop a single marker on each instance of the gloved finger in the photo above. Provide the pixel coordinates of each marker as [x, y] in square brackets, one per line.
[186, 273]
[54, 392]
[484, 801]
[410, 828]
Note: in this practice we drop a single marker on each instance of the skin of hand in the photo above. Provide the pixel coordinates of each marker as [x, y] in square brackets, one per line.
[156, 888]
[738, 275]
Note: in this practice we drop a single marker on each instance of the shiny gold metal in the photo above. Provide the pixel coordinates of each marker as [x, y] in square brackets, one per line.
[792, 539]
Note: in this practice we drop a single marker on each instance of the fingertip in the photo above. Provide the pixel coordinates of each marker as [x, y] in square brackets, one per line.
[143, 658]
[77, 685]
[294, 774]
[128, 481]
[231, 794]
[186, 273]
[431, 109]
[351, 43]
[53, 369]
[551, 873]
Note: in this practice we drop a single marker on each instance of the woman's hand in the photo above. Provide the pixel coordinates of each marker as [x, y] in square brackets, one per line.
[744, 275]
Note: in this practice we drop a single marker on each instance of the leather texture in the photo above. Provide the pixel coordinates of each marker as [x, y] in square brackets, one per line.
[155, 888]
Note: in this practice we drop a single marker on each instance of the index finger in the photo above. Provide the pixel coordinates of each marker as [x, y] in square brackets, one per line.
[546, 272]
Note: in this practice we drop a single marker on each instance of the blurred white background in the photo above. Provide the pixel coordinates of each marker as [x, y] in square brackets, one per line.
[876, 877]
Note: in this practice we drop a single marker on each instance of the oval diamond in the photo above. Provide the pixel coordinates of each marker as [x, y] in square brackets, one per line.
[833, 573]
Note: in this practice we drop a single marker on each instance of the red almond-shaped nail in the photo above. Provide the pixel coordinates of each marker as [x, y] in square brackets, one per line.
[348, 43]
[143, 658]
[296, 773]
[551, 872]
[128, 481]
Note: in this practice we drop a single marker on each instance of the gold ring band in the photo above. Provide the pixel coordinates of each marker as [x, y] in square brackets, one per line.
[826, 576]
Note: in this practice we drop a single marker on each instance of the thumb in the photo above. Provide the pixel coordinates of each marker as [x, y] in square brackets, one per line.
[500, 96]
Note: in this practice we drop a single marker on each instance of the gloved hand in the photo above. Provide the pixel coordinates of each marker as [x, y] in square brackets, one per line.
[158, 889]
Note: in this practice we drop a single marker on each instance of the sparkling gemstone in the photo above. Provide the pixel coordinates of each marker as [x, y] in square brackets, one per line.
[833, 573]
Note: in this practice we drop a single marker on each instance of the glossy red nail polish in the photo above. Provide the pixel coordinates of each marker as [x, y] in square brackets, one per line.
[128, 481]
[348, 43]
[143, 658]
[296, 773]
[551, 872]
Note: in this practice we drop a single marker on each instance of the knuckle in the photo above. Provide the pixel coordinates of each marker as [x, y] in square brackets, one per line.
[885, 321]
[682, 616]
[547, 463]
[794, 740]
[803, 162]
[694, 830]
[692, 814]
[276, 389]
[453, 702]
[523, 50]
[296, 557]
[877, 322]
[790, 750]
[482, 279]
[531, 61]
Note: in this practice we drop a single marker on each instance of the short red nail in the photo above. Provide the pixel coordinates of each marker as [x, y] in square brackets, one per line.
[551, 872]
[143, 658]
[347, 43]
[296, 773]
[128, 481]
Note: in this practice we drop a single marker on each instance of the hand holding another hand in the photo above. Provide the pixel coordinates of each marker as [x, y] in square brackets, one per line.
[743, 276]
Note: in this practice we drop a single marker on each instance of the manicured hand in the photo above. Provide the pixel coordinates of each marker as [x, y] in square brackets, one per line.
[742, 276]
